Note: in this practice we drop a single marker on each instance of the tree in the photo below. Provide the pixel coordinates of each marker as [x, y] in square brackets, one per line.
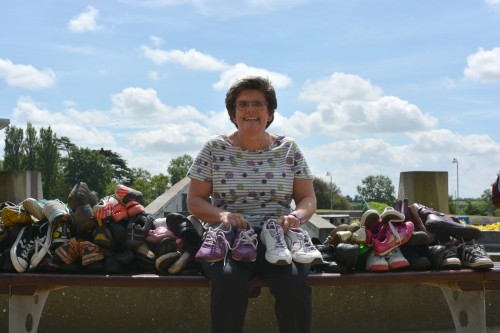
[29, 146]
[13, 153]
[378, 189]
[90, 167]
[48, 160]
[324, 195]
[121, 172]
[178, 168]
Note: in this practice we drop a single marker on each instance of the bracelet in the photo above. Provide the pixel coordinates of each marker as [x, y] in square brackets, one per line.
[298, 216]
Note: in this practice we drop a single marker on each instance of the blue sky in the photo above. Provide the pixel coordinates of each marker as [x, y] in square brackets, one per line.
[365, 87]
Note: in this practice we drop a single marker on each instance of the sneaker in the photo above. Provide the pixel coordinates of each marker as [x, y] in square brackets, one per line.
[369, 218]
[102, 236]
[273, 238]
[13, 214]
[43, 240]
[245, 245]
[216, 245]
[157, 234]
[301, 247]
[56, 211]
[166, 260]
[347, 255]
[144, 257]
[416, 259]
[138, 229]
[134, 208]
[69, 251]
[436, 255]
[83, 219]
[166, 245]
[180, 263]
[125, 194]
[474, 256]
[450, 257]
[103, 211]
[419, 238]
[61, 233]
[80, 195]
[396, 260]
[391, 236]
[390, 214]
[34, 208]
[90, 253]
[184, 228]
[22, 249]
[375, 263]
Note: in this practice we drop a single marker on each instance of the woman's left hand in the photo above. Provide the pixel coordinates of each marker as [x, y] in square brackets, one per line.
[287, 222]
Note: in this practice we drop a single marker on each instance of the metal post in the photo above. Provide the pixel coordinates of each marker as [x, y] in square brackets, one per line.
[458, 195]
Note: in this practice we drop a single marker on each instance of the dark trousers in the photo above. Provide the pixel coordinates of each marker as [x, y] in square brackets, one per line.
[230, 285]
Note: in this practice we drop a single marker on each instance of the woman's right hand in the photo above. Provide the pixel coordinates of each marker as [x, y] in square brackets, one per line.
[234, 220]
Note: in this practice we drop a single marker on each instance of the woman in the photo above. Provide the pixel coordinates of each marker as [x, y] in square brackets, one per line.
[242, 185]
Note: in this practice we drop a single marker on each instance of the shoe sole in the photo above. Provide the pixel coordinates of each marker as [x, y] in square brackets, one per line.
[480, 264]
[456, 231]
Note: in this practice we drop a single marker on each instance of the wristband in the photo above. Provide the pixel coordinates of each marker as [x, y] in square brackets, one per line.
[298, 216]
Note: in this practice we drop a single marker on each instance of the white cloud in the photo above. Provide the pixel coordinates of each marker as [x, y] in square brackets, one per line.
[232, 73]
[191, 59]
[85, 21]
[483, 66]
[492, 2]
[26, 76]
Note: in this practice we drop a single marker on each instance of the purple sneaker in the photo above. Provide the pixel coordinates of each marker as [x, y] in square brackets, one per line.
[215, 246]
[245, 245]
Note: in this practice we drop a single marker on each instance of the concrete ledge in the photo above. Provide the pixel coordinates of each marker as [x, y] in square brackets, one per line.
[356, 309]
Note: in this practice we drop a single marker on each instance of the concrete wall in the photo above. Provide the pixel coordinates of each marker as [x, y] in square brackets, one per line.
[429, 188]
[16, 186]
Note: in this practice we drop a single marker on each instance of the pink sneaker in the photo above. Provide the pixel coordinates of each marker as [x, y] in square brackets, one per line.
[245, 245]
[375, 263]
[392, 235]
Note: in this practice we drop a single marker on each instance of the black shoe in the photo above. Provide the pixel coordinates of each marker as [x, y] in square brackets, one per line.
[166, 260]
[435, 253]
[416, 260]
[474, 256]
[450, 257]
[346, 254]
[183, 228]
[80, 195]
[43, 238]
[166, 245]
[137, 230]
[331, 267]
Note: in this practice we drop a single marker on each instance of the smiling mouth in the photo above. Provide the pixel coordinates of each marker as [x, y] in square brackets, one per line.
[251, 119]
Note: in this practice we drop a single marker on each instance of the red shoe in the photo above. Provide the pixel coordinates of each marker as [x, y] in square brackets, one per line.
[126, 194]
[134, 208]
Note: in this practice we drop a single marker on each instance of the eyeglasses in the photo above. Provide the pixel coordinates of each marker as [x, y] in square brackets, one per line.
[244, 105]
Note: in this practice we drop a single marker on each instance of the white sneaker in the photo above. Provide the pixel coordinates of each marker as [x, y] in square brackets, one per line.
[300, 245]
[273, 238]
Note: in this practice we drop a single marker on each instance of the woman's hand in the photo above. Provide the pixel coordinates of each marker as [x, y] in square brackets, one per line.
[234, 220]
[287, 222]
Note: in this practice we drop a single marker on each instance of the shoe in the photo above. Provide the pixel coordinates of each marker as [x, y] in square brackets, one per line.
[369, 218]
[125, 194]
[119, 212]
[118, 232]
[22, 249]
[13, 214]
[418, 238]
[61, 233]
[276, 250]
[359, 236]
[102, 237]
[183, 228]
[390, 214]
[436, 254]
[332, 267]
[138, 229]
[157, 234]
[474, 256]
[416, 260]
[180, 263]
[34, 208]
[56, 211]
[347, 255]
[417, 221]
[330, 238]
[166, 260]
[396, 260]
[90, 253]
[450, 258]
[80, 195]
[216, 245]
[375, 263]
[245, 245]
[301, 247]
[134, 208]
[103, 210]
[145, 258]
[327, 252]
[440, 223]
[82, 218]
[166, 245]
[391, 236]
[69, 251]
[43, 239]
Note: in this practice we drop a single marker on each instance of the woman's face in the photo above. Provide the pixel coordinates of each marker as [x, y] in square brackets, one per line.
[251, 111]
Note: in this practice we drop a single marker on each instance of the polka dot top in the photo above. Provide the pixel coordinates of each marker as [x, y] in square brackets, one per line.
[257, 184]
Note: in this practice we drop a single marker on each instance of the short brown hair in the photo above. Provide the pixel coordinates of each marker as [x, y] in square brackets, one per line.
[251, 83]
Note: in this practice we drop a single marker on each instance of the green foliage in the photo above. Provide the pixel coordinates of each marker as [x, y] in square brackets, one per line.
[47, 160]
[13, 148]
[378, 189]
[178, 168]
[326, 198]
[378, 206]
[29, 147]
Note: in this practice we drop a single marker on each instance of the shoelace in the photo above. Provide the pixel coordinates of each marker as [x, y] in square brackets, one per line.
[473, 250]
[247, 237]
[273, 230]
[395, 231]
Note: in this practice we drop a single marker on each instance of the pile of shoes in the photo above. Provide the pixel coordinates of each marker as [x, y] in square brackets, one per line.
[113, 234]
